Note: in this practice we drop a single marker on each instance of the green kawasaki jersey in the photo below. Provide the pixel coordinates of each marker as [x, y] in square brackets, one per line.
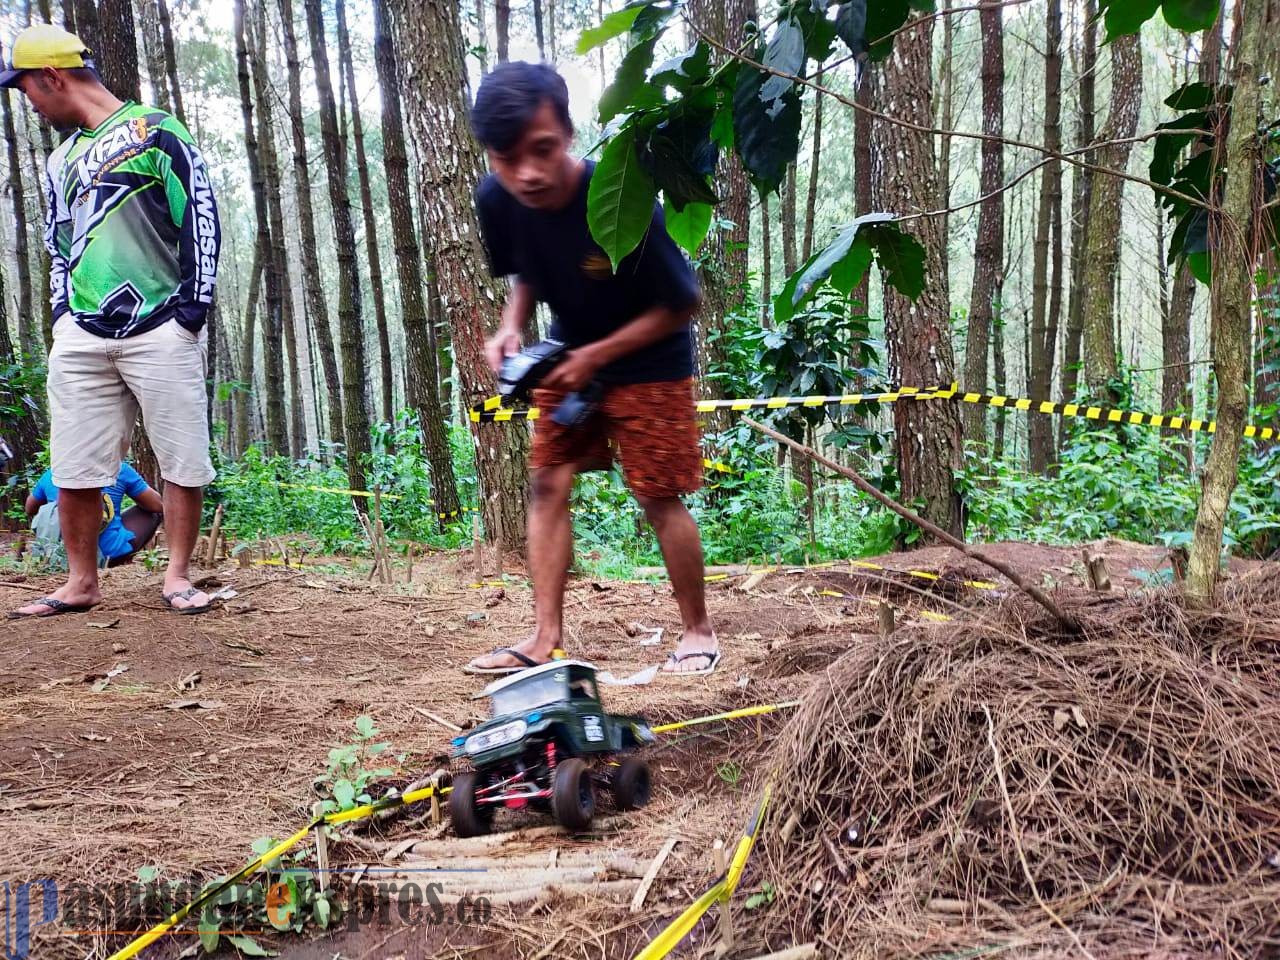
[132, 225]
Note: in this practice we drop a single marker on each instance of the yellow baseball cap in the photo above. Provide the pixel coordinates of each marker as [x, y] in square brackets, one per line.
[43, 45]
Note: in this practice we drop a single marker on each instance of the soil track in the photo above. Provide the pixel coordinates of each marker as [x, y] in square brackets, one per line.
[98, 779]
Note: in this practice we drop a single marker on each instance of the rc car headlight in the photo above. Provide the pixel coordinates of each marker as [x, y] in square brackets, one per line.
[497, 737]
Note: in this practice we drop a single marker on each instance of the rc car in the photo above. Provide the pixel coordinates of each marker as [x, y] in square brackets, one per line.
[549, 745]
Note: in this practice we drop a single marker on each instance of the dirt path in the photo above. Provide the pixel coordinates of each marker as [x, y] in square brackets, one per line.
[102, 775]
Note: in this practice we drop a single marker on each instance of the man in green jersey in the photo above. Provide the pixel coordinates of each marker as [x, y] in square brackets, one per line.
[133, 233]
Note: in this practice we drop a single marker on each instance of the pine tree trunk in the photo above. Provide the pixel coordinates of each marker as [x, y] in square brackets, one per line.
[21, 432]
[277, 441]
[537, 29]
[926, 436]
[766, 264]
[422, 375]
[153, 44]
[863, 171]
[264, 92]
[482, 28]
[789, 222]
[171, 60]
[355, 412]
[28, 345]
[1081, 200]
[313, 286]
[1000, 377]
[946, 121]
[118, 52]
[370, 221]
[1236, 239]
[502, 21]
[1044, 315]
[723, 274]
[435, 95]
[245, 396]
[815, 164]
[988, 250]
[87, 29]
[1102, 251]
[551, 34]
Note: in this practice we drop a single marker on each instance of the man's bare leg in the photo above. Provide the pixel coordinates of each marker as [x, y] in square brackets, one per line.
[80, 516]
[182, 526]
[550, 553]
[682, 552]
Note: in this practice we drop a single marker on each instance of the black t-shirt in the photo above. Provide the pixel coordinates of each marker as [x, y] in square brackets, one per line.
[554, 253]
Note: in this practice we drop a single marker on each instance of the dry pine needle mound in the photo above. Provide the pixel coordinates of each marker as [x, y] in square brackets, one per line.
[1002, 788]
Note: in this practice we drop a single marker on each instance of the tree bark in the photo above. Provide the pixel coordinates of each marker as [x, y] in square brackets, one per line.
[723, 273]
[356, 414]
[276, 439]
[1046, 307]
[171, 60]
[999, 376]
[1081, 197]
[988, 250]
[1102, 251]
[482, 28]
[87, 29]
[28, 345]
[245, 395]
[789, 222]
[766, 264]
[926, 436]
[370, 221]
[863, 169]
[947, 86]
[450, 169]
[153, 44]
[811, 199]
[1236, 239]
[537, 29]
[118, 54]
[502, 22]
[312, 283]
[22, 432]
[423, 374]
[281, 318]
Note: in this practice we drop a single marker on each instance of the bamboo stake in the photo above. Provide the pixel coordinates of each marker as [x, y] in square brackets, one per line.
[211, 550]
[1030, 589]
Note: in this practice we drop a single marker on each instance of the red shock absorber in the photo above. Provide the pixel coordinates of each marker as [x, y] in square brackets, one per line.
[551, 755]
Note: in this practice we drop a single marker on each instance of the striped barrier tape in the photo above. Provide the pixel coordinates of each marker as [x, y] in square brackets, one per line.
[720, 892]
[860, 564]
[1100, 413]
[343, 492]
[492, 410]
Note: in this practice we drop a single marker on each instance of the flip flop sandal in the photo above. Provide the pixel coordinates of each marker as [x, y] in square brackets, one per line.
[57, 606]
[711, 655]
[526, 663]
[186, 594]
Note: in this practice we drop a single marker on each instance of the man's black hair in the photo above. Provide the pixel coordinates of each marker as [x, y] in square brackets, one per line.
[510, 96]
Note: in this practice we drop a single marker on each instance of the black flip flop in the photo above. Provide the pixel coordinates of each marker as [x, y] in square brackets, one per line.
[186, 594]
[712, 655]
[526, 662]
[57, 606]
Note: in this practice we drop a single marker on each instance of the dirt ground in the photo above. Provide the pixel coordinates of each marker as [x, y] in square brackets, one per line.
[102, 773]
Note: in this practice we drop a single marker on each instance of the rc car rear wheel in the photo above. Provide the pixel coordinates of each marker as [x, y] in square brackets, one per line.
[469, 818]
[631, 784]
[573, 795]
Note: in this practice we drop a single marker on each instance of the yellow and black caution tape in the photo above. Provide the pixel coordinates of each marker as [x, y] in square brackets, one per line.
[1100, 413]
[860, 564]
[493, 410]
[720, 892]
[757, 711]
[280, 849]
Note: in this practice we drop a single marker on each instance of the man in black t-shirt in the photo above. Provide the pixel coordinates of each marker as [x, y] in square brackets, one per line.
[628, 329]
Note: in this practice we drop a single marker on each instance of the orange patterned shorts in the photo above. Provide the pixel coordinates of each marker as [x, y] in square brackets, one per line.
[652, 427]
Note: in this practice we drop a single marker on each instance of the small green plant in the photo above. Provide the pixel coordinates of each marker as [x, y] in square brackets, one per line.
[730, 772]
[349, 772]
[762, 897]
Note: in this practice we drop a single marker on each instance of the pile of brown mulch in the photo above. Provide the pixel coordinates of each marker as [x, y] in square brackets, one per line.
[1001, 787]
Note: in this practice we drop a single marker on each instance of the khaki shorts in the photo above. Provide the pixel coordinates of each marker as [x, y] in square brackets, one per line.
[96, 388]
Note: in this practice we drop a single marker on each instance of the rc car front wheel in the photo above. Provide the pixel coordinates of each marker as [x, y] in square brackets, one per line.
[469, 818]
[631, 784]
[573, 795]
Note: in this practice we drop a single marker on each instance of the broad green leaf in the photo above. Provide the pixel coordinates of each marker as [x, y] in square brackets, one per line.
[680, 157]
[851, 25]
[690, 226]
[1191, 96]
[321, 911]
[620, 199]
[785, 53]
[249, 946]
[1190, 16]
[900, 257]
[614, 25]
[148, 873]
[1169, 146]
[208, 929]
[722, 126]
[820, 266]
[766, 138]
[1124, 17]
[629, 80]
[344, 792]
[1200, 267]
[365, 726]
[883, 18]
[685, 69]
[848, 272]
[924, 6]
